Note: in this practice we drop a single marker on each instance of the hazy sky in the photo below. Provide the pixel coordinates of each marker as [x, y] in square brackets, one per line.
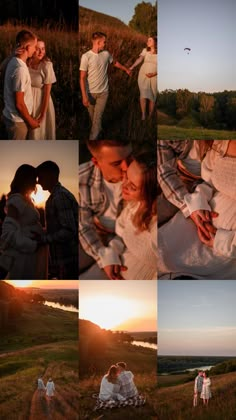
[45, 284]
[208, 28]
[63, 152]
[119, 305]
[122, 9]
[197, 317]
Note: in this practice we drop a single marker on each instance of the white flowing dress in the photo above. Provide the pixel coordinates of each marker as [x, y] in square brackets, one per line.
[148, 85]
[41, 76]
[206, 389]
[180, 251]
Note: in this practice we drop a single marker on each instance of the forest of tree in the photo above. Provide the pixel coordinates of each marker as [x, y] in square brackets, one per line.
[210, 110]
[144, 19]
[37, 12]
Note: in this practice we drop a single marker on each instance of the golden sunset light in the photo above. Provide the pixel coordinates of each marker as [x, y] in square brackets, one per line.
[108, 311]
[21, 283]
[40, 196]
[45, 284]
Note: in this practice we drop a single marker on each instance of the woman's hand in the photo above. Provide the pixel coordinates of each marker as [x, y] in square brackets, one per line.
[150, 75]
[205, 239]
[203, 221]
[113, 271]
[129, 72]
[85, 101]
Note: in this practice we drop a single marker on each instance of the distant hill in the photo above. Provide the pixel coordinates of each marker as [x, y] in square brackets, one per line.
[88, 16]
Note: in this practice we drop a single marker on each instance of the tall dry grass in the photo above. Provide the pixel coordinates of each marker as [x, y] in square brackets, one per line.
[122, 116]
[62, 48]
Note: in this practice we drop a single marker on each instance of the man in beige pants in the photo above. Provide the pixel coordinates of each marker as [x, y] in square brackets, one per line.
[94, 80]
[18, 98]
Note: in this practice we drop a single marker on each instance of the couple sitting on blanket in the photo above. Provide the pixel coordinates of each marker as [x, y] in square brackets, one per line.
[117, 384]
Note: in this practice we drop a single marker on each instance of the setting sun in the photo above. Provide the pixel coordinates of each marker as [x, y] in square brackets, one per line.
[40, 196]
[108, 311]
[21, 283]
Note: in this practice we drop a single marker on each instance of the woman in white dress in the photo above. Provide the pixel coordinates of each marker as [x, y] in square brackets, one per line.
[134, 247]
[206, 389]
[109, 388]
[50, 388]
[42, 77]
[147, 78]
[22, 257]
[208, 252]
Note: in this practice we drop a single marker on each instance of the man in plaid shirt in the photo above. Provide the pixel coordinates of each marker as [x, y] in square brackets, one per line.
[174, 179]
[101, 202]
[125, 379]
[61, 213]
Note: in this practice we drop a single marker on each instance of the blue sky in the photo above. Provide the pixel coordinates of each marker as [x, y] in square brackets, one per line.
[208, 28]
[122, 9]
[197, 317]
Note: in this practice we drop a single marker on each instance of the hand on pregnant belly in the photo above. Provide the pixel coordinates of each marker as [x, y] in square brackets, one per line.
[203, 221]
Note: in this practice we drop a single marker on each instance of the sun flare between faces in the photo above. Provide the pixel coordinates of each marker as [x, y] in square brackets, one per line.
[40, 196]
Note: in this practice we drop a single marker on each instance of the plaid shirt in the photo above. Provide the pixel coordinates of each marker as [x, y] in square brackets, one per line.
[168, 152]
[127, 387]
[61, 213]
[93, 201]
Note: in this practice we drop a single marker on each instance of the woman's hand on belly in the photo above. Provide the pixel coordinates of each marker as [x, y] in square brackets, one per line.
[206, 240]
[203, 221]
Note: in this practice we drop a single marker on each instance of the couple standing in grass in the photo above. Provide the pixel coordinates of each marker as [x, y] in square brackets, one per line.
[49, 388]
[28, 76]
[202, 387]
[94, 79]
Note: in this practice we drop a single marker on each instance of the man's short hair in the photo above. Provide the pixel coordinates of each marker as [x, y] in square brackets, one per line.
[24, 37]
[95, 146]
[123, 365]
[98, 35]
[49, 167]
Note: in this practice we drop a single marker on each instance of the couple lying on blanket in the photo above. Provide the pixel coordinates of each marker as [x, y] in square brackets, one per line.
[118, 389]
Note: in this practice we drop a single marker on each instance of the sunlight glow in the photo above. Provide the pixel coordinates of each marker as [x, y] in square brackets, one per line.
[40, 196]
[108, 311]
[21, 283]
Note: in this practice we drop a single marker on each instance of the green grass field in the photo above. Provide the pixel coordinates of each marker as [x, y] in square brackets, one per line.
[62, 48]
[167, 132]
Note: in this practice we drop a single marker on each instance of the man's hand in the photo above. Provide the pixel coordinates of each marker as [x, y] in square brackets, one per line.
[85, 101]
[113, 271]
[150, 75]
[203, 221]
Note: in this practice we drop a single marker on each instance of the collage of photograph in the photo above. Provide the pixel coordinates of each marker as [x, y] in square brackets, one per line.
[118, 237]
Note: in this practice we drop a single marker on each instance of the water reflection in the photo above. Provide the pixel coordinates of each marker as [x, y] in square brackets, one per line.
[59, 306]
[145, 344]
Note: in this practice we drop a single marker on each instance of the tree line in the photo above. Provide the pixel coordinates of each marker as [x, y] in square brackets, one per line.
[210, 110]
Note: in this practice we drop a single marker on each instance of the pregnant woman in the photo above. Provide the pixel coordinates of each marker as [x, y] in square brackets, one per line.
[206, 252]
[42, 77]
[147, 78]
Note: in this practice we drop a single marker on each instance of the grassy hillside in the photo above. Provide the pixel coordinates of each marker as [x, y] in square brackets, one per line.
[19, 373]
[62, 48]
[122, 116]
[39, 325]
[176, 402]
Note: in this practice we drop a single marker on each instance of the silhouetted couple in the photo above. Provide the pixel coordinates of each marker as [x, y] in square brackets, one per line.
[28, 250]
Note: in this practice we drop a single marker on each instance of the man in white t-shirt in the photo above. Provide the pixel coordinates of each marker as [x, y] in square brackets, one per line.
[100, 202]
[94, 80]
[18, 98]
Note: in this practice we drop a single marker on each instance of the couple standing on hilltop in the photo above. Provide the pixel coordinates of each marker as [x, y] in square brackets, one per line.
[28, 76]
[202, 386]
[94, 78]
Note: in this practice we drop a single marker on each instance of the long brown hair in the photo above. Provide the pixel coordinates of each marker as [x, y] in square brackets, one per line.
[148, 205]
[112, 374]
[154, 37]
[204, 146]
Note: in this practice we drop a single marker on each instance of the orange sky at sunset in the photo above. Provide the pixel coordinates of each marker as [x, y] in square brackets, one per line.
[117, 305]
[45, 284]
[63, 152]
